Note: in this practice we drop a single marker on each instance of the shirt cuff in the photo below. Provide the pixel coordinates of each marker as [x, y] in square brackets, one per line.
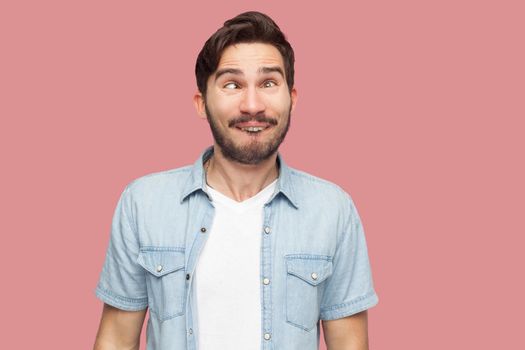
[120, 302]
[347, 309]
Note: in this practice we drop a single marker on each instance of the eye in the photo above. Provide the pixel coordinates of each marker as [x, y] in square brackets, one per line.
[231, 85]
[269, 83]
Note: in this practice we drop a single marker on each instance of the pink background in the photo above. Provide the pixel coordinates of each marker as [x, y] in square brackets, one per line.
[417, 109]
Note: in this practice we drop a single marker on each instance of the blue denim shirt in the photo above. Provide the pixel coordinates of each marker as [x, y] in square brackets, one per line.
[313, 251]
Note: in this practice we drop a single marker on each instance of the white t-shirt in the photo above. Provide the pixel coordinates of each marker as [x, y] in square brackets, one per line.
[227, 275]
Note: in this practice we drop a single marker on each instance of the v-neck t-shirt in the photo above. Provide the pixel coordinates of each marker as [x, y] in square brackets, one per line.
[228, 278]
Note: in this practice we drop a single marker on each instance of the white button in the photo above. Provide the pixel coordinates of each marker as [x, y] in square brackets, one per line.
[190, 331]
[159, 268]
[314, 276]
[267, 230]
[266, 281]
[267, 336]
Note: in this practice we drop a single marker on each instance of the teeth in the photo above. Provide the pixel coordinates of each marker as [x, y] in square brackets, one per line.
[253, 128]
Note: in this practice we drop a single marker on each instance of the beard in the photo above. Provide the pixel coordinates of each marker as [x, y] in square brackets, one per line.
[254, 151]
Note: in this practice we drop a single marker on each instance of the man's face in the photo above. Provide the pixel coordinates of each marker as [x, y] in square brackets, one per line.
[248, 104]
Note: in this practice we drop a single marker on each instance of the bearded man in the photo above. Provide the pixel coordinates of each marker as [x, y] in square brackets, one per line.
[238, 250]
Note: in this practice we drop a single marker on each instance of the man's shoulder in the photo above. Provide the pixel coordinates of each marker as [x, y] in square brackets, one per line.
[165, 181]
[303, 176]
[309, 186]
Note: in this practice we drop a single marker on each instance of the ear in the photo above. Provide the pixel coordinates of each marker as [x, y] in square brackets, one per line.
[293, 97]
[198, 101]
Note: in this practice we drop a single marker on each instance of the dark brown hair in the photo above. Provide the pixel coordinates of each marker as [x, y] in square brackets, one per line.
[248, 27]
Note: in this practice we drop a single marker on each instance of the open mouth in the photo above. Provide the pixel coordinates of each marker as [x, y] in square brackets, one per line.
[253, 129]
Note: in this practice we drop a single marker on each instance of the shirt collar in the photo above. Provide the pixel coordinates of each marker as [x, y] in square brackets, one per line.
[197, 179]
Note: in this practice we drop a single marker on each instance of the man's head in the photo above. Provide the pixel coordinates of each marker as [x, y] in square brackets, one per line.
[245, 76]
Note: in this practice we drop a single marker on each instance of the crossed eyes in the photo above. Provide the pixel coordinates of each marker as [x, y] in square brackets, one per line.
[266, 84]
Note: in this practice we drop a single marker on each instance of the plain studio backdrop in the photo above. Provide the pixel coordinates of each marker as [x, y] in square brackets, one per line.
[416, 108]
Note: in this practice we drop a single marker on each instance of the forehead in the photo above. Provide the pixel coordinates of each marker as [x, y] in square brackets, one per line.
[244, 55]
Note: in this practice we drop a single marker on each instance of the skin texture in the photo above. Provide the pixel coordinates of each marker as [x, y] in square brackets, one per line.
[349, 333]
[248, 85]
[255, 151]
[250, 91]
[119, 329]
[253, 89]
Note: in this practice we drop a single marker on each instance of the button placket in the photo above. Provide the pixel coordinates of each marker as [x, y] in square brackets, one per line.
[266, 272]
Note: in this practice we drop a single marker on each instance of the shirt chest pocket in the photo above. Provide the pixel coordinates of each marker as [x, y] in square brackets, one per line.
[165, 280]
[304, 284]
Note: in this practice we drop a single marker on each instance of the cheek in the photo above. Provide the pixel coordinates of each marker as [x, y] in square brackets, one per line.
[223, 105]
[282, 104]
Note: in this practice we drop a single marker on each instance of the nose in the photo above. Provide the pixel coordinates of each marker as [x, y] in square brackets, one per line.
[252, 103]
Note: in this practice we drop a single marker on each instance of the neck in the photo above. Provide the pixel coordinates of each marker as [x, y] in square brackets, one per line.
[236, 180]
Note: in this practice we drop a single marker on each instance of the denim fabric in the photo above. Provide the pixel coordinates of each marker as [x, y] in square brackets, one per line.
[313, 251]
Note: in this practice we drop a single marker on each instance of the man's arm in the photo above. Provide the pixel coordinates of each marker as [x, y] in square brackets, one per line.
[119, 329]
[349, 333]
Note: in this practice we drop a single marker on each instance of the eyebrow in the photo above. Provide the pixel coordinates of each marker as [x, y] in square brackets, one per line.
[236, 71]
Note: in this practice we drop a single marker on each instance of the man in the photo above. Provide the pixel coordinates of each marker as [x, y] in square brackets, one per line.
[238, 251]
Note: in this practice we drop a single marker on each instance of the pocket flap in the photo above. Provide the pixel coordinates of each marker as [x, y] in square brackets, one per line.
[161, 262]
[312, 271]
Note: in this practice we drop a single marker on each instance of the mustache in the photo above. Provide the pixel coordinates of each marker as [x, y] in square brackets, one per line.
[260, 118]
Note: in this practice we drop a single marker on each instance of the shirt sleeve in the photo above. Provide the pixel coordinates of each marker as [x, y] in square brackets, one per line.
[350, 288]
[122, 280]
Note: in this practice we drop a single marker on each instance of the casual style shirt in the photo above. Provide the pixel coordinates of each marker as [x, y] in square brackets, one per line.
[228, 293]
[313, 257]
